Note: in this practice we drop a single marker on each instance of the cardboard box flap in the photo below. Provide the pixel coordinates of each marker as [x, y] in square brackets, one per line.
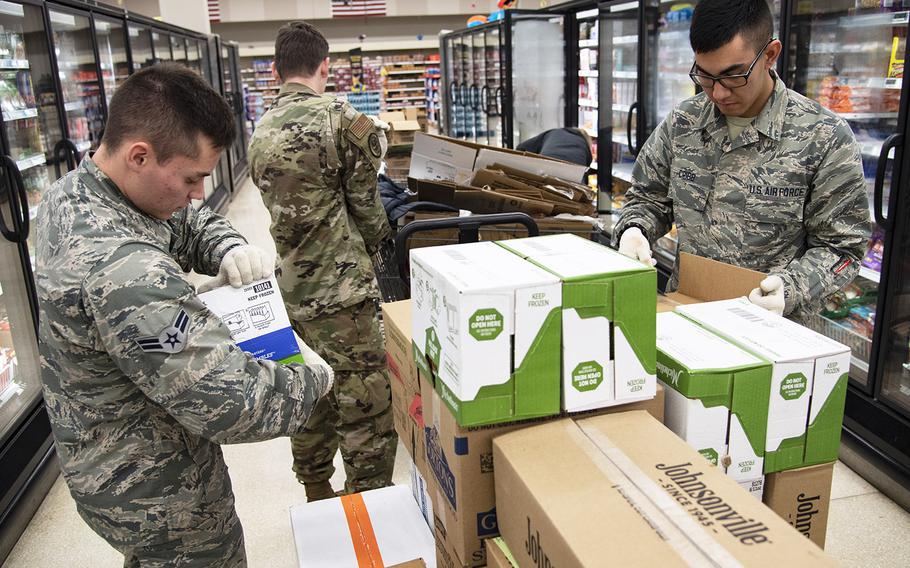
[573, 258]
[705, 280]
[404, 125]
[391, 117]
[569, 189]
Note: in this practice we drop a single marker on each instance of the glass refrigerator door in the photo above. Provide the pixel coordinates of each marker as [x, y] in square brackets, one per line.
[194, 56]
[141, 47]
[79, 81]
[478, 80]
[618, 121]
[588, 50]
[230, 75]
[850, 60]
[491, 93]
[463, 126]
[670, 59]
[28, 98]
[536, 72]
[29, 108]
[178, 47]
[111, 41]
[162, 43]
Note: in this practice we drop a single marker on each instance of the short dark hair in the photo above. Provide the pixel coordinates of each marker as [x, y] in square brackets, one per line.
[299, 50]
[168, 104]
[715, 23]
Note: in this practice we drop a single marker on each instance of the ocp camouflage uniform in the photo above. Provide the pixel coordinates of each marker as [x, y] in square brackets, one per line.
[141, 382]
[315, 160]
[786, 197]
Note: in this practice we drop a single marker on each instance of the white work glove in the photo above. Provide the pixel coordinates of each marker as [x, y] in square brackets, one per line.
[769, 295]
[316, 364]
[633, 244]
[241, 265]
[381, 128]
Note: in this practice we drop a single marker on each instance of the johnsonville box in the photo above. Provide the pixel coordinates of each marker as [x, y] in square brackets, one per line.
[717, 397]
[622, 490]
[608, 307]
[808, 379]
[257, 319]
[487, 329]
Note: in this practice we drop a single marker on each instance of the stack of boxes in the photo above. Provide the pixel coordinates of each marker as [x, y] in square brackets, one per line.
[489, 340]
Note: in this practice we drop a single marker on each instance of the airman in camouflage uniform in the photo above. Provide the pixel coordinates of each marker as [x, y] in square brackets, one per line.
[315, 160]
[786, 197]
[141, 381]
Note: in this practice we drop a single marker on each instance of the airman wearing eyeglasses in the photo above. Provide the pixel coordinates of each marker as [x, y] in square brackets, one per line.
[751, 173]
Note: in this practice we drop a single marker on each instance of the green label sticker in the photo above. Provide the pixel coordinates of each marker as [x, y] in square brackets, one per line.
[433, 347]
[710, 454]
[587, 376]
[793, 386]
[485, 325]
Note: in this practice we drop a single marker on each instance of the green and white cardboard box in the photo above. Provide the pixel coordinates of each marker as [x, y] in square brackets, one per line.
[487, 330]
[808, 381]
[608, 301]
[717, 396]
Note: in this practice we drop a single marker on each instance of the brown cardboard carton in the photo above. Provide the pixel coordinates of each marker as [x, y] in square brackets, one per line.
[403, 131]
[443, 158]
[502, 183]
[392, 116]
[413, 113]
[705, 280]
[802, 497]
[624, 487]
[406, 404]
[498, 554]
[475, 199]
[419, 563]
[460, 461]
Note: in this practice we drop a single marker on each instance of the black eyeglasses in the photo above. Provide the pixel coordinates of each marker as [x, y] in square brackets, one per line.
[727, 81]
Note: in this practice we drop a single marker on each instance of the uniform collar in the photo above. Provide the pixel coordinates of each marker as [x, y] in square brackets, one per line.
[769, 122]
[99, 182]
[296, 88]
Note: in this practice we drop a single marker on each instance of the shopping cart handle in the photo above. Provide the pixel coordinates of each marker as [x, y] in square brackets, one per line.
[468, 232]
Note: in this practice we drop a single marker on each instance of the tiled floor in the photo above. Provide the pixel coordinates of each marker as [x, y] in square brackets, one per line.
[865, 528]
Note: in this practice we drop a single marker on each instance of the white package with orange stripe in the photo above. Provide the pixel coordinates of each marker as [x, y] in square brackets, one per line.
[374, 529]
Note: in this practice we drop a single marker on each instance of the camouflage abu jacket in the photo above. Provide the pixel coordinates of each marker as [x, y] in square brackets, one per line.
[315, 160]
[141, 381]
[787, 197]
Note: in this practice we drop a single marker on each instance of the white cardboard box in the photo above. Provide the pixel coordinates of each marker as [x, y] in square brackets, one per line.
[383, 525]
[487, 330]
[808, 385]
[257, 319]
[717, 395]
[609, 302]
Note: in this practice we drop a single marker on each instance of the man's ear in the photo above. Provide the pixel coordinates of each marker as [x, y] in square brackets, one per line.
[275, 74]
[324, 68]
[138, 156]
[772, 53]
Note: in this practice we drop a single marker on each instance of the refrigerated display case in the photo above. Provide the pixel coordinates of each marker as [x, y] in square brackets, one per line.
[77, 70]
[113, 57]
[140, 42]
[232, 91]
[504, 80]
[161, 43]
[849, 56]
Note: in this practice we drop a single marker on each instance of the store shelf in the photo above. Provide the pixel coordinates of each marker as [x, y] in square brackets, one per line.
[264, 88]
[625, 74]
[587, 43]
[421, 79]
[74, 106]
[866, 115]
[403, 89]
[587, 103]
[21, 114]
[28, 163]
[623, 172]
[588, 73]
[83, 146]
[14, 64]
[870, 274]
[625, 40]
[622, 108]
[400, 99]
[405, 72]
[620, 139]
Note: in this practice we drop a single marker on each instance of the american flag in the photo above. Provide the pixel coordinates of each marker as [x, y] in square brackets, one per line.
[357, 8]
[214, 10]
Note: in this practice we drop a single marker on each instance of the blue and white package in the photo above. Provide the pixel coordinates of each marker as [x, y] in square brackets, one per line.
[256, 316]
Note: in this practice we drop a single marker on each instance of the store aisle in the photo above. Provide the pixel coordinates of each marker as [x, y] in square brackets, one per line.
[865, 528]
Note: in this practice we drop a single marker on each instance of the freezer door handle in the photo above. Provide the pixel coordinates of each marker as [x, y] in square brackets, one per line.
[65, 150]
[485, 99]
[18, 205]
[475, 97]
[632, 149]
[890, 142]
[452, 87]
